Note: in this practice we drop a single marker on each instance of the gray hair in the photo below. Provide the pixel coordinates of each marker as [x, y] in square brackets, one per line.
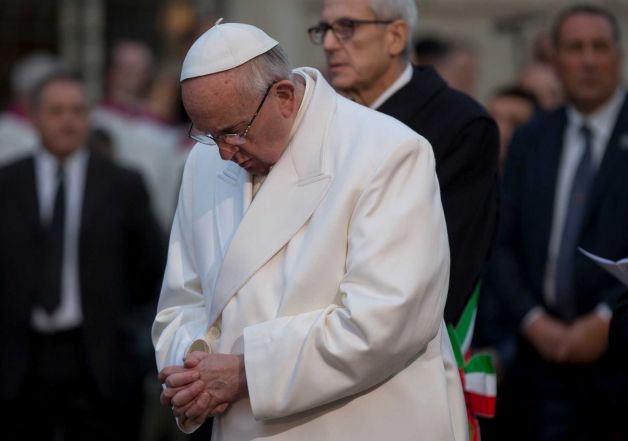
[257, 74]
[398, 10]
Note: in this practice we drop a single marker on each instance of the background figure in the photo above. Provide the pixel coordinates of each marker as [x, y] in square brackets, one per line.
[540, 79]
[81, 260]
[455, 61]
[17, 136]
[511, 107]
[370, 63]
[564, 187]
[144, 137]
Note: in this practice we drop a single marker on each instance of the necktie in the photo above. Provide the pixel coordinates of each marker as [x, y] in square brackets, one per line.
[51, 294]
[565, 274]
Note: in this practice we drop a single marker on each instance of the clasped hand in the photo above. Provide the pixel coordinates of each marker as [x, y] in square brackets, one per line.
[583, 341]
[204, 386]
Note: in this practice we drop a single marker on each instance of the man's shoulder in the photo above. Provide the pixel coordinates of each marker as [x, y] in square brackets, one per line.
[372, 135]
[113, 172]
[15, 170]
[542, 125]
[427, 98]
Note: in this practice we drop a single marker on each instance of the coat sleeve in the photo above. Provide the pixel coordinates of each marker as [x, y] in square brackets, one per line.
[468, 180]
[181, 316]
[391, 304]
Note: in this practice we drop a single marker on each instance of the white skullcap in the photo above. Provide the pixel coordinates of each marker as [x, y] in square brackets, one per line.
[223, 47]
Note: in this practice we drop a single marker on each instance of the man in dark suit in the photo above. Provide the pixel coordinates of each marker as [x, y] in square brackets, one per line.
[367, 54]
[565, 187]
[80, 254]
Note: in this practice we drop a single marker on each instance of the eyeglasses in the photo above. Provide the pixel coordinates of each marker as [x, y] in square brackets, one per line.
[228, 141]
[343, 28]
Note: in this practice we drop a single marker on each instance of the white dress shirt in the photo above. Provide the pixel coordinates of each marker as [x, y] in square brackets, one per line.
[601, 124]
[68, 315]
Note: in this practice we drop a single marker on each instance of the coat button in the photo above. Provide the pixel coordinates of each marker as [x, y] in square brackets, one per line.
[213, 333]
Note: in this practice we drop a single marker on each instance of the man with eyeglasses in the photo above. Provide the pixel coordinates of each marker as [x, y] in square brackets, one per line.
[295, 303]
[367, 45]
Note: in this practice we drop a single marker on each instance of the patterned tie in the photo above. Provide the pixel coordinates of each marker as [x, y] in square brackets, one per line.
[51, 294]
[565, 283]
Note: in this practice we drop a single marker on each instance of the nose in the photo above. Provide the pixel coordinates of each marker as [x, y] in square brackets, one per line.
[227, 154]
[330, 41]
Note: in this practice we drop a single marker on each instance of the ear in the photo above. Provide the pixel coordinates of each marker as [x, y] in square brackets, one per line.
[285, 92]
[397, 37]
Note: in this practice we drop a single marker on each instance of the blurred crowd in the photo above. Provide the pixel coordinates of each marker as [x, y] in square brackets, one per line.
[137, 142]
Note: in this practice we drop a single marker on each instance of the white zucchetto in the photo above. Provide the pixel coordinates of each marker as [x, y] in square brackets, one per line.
[223, 47]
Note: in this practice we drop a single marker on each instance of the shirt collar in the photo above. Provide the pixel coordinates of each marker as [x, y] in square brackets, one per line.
[602, 121]
[50, 161]
[401, 81]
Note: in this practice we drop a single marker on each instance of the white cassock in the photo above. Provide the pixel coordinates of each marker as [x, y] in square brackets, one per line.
[332, 282]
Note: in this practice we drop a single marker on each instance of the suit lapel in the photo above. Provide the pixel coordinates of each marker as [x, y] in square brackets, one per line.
[290, 194]
[614, 162]
[93, 197]
[27, 198]
[547, 175]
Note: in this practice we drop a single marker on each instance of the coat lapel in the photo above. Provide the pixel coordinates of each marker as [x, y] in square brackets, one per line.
[290, 194]
[547, 175]
[27, 198]
[232, 196]
[614, 162]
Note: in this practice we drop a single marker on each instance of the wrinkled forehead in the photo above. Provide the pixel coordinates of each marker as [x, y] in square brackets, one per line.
[212, 99]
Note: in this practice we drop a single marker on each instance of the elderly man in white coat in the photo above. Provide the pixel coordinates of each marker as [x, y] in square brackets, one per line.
[308, 262]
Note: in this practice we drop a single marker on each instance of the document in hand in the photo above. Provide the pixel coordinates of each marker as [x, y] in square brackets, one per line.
[619, 269]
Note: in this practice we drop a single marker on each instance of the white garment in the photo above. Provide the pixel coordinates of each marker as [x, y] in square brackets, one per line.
[150, 148]
[601, 124]
[69, 314]
[17, 137]
[332, 282]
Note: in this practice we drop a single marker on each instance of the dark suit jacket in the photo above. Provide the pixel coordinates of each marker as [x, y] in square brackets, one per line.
[528, 203]
[465, 141]
[120, 264]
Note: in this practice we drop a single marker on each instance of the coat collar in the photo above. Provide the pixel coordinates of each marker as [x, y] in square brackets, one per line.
[293, 189]
[425, 83]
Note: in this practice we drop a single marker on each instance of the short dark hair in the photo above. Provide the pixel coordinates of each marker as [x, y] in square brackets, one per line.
[585, 8]
[431, 48]
[517, 92]
[58, 76]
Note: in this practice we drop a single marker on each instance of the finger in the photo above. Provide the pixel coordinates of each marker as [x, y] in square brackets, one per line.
[187, 394]
[180, 379]
[200, 406]
[194, 358]
[220, 409]
[169, 370]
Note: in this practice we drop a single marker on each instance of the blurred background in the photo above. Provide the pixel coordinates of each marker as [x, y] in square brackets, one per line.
[501, 33]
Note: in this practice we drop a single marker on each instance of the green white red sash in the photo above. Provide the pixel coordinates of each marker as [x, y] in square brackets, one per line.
[477, 372]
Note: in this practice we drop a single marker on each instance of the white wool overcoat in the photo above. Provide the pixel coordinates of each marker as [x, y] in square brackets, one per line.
[331, 281]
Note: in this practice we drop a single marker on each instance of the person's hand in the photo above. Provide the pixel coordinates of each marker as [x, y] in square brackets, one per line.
[587, 338]
[208, 384]
[549, 336]
[169, 392]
